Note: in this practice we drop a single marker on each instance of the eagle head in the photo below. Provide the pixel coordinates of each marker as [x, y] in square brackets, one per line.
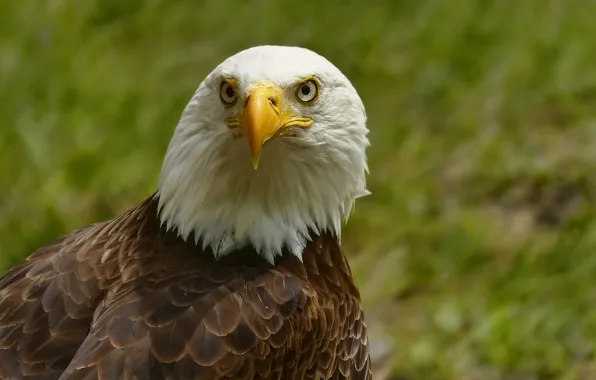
[270, 149]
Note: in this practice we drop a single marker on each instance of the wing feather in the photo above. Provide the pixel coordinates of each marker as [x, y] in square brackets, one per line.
[184, 326]
[47, 303]
[44, 314]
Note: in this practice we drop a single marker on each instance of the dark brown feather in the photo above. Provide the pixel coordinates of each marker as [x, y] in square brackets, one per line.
[125, 299]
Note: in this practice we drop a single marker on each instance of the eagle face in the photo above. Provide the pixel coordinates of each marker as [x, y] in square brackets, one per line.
[271, 146]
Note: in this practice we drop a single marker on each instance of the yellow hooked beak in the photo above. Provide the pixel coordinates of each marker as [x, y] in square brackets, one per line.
[263, 118]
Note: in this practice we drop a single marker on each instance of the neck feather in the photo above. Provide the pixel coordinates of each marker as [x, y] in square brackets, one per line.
[226, 204]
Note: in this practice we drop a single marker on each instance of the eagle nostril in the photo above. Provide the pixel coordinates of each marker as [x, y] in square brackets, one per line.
[272, 101]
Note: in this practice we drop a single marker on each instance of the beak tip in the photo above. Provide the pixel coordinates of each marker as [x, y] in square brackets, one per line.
[255, 154]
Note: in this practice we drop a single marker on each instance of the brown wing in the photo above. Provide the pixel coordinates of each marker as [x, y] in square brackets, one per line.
[46, 307]
[221, 323]
[47, 303]
[338, 336]
[353, 350]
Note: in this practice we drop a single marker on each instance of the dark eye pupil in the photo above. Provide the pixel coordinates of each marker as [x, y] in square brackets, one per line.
[230, 92]
[305, 90]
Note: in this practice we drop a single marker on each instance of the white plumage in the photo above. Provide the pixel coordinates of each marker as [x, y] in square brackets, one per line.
[309, 180]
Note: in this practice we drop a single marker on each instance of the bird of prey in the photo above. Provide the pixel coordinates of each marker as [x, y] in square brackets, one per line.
[233, 268]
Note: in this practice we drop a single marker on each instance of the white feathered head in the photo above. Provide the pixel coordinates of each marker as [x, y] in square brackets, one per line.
[270, 148]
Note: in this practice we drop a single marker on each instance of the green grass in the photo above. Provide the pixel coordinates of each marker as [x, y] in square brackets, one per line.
[476, 253]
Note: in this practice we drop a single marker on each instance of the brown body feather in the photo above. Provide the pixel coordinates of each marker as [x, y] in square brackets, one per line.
[125, 299]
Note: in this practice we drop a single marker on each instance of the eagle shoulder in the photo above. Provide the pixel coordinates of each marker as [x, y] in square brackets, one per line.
[47, 304]
[48, 301]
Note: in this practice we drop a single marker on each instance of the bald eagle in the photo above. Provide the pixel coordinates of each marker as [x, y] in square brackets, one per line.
[233, 268]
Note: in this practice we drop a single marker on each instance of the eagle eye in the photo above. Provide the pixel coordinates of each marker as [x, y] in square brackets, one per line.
[227, 93]
[308, 91]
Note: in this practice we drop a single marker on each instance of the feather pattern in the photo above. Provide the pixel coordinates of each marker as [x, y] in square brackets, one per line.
[126, 299]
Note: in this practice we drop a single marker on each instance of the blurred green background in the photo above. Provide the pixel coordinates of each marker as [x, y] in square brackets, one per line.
[476, 251]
